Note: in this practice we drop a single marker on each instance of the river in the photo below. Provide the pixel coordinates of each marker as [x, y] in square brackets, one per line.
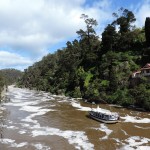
[33, 120]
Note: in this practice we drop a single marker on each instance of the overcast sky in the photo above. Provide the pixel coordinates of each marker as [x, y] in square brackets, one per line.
[30, 29]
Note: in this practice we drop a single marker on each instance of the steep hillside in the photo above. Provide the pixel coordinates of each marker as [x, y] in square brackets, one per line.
[10, 76]
[98, 70]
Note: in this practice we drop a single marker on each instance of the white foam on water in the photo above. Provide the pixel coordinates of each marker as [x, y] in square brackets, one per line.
[117, 140]
[145, 128]
[105, 129]
[30, 108]
[12, 143]
[133, 119]
[2, 108]
[10, 121]
[58, 96]
[40, 146]
[19, 145]
[62, 101]
[77, 138]
[7, 141]
[45, 99]
[10, 127]
[29, 119]
[124, 132]
[143, 148]
[50, 98]
[102, 110]
[78, 105]
[25, 125]
[82, 108]
[22, 131]
[38, 111]
[20, 103]
[135, 143]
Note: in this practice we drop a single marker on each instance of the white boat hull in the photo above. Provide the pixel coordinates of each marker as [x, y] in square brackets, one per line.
[103, 120]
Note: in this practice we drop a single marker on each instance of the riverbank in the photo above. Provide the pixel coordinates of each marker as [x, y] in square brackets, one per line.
[2, 94]
[131, 107]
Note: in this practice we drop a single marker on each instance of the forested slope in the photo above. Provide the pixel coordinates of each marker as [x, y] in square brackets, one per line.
[95, 69]
[8, 77]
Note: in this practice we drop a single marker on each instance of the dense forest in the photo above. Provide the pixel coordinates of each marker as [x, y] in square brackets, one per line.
[98, 69]
[8, 77]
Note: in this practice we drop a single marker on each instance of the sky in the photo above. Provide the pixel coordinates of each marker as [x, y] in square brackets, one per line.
[31, 29]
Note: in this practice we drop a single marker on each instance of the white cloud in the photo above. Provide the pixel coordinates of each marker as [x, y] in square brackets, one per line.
[31, 26]
[35, 24]
[38, 23]
[142, 12]
[8, 59]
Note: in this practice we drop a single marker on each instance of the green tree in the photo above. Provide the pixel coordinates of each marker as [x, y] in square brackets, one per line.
[96, 70]
[89, 42]
[89, 33]
[141, 94]
[124, 19]
[116, 68]
[147, 31]
[109, 39]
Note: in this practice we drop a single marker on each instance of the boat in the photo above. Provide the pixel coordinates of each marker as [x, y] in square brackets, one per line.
[104, 116]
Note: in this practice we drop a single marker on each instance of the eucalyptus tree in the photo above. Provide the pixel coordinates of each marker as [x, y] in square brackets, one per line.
[124, 19]
[109, 39]
[89, 33]
[88, 41]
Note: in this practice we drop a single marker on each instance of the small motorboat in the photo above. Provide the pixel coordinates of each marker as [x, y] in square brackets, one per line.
[104, 115]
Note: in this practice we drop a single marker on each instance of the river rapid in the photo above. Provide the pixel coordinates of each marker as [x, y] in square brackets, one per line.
[33, 120]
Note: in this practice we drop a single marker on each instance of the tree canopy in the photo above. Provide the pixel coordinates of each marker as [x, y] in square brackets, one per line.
[8, 77]
[95, 69]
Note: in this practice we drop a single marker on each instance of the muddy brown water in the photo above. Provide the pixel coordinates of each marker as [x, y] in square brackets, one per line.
[31, 120]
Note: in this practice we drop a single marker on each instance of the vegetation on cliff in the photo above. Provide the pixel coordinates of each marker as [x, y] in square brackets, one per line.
[8, 77]
[97, 69]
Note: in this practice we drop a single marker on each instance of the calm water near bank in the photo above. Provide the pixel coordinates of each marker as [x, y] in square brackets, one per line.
[32, 120]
